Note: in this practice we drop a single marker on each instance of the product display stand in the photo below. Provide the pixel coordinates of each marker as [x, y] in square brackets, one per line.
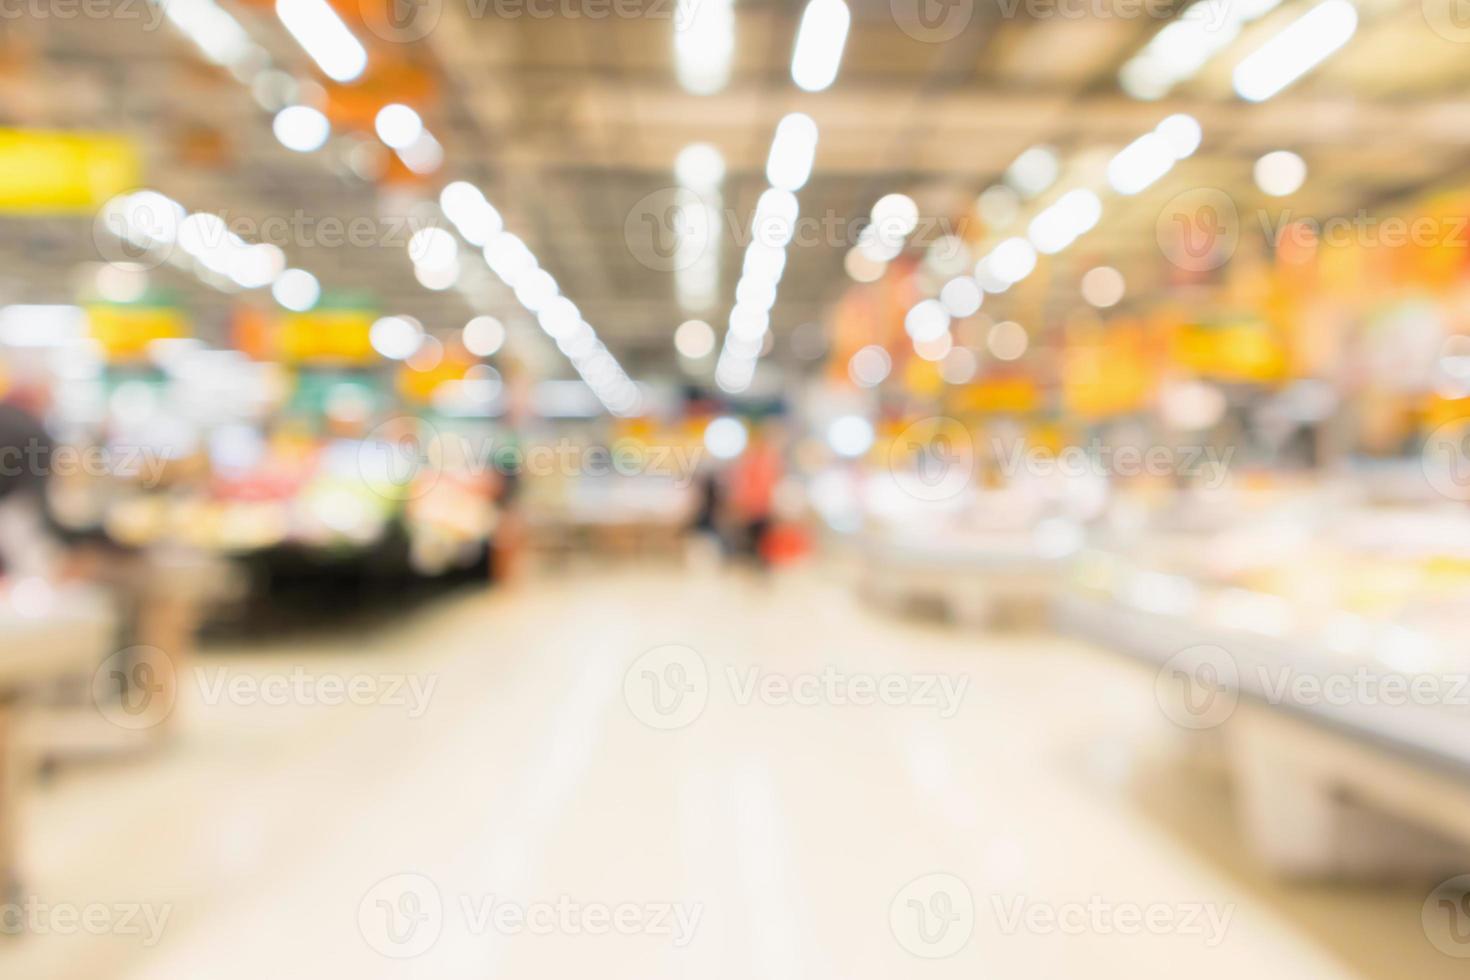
[1328, 787]
[171, 596]
[1005, 581]
[165, 591]
[69, 641]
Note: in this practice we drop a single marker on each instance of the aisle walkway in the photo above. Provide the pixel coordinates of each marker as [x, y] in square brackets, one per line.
[648, 775]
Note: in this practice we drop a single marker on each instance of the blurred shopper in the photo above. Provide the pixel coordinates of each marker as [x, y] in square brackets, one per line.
[753, 481]
[707, 543]
[26, 545]
[508, 540]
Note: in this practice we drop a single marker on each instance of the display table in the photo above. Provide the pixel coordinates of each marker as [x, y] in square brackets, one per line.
[70, 638]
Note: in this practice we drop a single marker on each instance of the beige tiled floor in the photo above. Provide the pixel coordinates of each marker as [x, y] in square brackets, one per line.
[285, 841]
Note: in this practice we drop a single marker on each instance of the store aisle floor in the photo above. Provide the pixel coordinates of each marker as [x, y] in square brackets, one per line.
[511, 791]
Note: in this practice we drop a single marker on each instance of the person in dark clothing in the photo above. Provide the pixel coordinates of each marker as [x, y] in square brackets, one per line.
[25, 464]
[25, 451]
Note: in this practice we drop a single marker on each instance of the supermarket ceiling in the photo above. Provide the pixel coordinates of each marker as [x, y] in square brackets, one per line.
[569, 116]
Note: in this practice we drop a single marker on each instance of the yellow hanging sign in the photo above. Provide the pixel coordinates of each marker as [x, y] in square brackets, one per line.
[125, 331]
[336, 335]
[43, 172]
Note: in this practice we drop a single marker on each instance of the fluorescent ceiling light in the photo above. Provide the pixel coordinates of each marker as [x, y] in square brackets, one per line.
[793, 150]
[926, 320]
[433, 248]
[508, 257]
[475, 217]
[296, 289]
[1297, 49]
[1033, 171]
[699, 167]
[301, 128]
[819, 43]
[318, 29]
[1140, 163]
[1011, 261]
[1182, 132]
[214, 31]
[424, 155]
[1182, 48]
[1073, 214]
[704, 41]
[398, 125]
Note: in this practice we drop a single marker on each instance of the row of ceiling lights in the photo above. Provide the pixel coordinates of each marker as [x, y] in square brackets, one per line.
[815, 61]
[535, 289]
[1175, 54]
[342, 58]
[156, 228]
